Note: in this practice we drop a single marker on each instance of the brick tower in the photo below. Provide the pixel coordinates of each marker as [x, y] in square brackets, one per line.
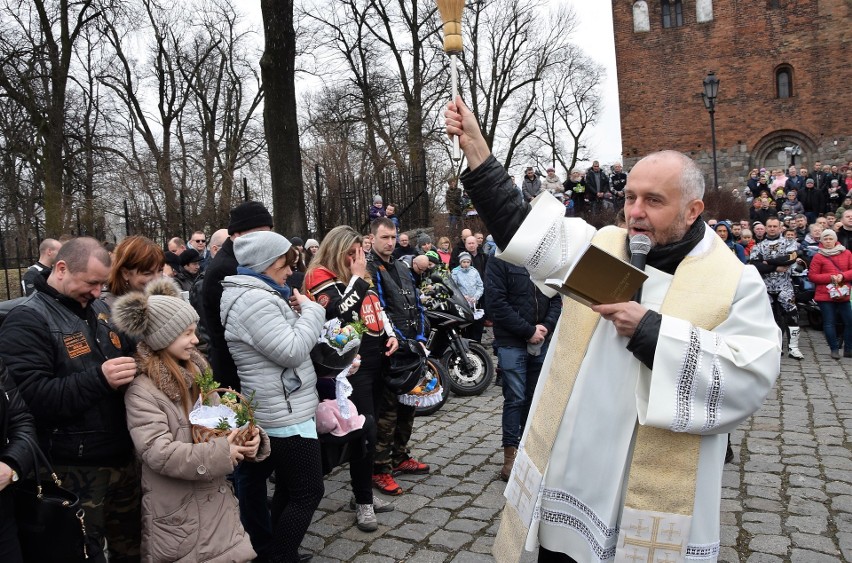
[785, 68]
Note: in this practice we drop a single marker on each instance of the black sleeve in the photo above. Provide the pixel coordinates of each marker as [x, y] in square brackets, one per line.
[18, 425]
[554, 309]
[342, 306]
[28, 353]
[497, 302]
[495, 199]
[643, 343]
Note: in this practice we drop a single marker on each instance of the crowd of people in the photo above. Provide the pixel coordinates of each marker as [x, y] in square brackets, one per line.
[102, 362]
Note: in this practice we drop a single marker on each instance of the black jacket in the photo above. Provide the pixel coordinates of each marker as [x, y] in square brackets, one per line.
[37, 270]
[813, 199]
[516, 305]
[399, 296]
[16, 424]
[223, 264]
[54, 349]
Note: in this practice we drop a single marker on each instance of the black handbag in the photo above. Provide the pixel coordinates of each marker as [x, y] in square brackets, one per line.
[50, 519]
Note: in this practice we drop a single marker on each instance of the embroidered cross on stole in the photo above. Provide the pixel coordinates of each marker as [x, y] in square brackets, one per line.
[657, 513]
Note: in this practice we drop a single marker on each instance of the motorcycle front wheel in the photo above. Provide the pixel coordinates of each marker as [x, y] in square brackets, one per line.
[471, 379]
[439, 371]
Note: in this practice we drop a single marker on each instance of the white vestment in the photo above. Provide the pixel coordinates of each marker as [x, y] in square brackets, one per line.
[580, 503]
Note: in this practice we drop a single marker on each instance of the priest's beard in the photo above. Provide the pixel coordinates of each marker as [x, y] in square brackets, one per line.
[673, 232]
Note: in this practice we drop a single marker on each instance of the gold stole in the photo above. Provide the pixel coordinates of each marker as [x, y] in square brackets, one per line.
[661, 483]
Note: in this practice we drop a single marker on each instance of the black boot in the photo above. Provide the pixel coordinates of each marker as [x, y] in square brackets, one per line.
[729, 454]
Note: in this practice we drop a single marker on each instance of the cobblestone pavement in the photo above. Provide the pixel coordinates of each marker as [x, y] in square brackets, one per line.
[786, 497]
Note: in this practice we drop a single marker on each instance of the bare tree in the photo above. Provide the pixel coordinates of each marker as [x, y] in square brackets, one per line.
[36, 47]
[570, 102]
[511, 45]
[227, 93]
[278, 69]
[168, 66]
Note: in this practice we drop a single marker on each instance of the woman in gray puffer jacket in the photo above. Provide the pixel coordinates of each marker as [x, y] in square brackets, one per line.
[271, 344]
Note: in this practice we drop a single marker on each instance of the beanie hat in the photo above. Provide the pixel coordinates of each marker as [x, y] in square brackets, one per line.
[828, 233]
[809, 181]
[189, 256]
[172, 260]
[424, 239]
[465, 256]
[296, 241]
[377, 199]
[249, 215]
[258, 250]
[158, 315]
[311, 243]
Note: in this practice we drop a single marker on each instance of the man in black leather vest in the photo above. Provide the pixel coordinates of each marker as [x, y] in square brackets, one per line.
[401, 301]
[72, 366]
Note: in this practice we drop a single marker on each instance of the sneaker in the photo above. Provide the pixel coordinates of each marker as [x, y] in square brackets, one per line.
[411, 466]
[386, 484]
[835, 354]
[365, 518]
[379, 506]
[795, 354]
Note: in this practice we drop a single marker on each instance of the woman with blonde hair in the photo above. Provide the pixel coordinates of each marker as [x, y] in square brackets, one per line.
[338, 280]
[444, 251]
[137, 261]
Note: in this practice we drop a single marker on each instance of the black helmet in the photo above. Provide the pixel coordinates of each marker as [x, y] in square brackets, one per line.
[406, 367]
[329, 361]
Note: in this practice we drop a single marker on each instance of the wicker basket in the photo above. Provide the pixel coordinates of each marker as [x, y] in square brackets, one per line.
[201, 434]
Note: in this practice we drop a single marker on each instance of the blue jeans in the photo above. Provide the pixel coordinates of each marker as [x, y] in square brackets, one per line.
[831, 310]
[520, 376]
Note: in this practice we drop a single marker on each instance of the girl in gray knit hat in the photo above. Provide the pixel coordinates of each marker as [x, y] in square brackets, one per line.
[179, 478]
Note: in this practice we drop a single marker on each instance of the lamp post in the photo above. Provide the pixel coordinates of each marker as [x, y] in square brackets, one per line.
[711, 90]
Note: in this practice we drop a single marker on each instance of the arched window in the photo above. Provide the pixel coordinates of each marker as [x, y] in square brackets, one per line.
[641, 21]
[784, 82]
[672, 11]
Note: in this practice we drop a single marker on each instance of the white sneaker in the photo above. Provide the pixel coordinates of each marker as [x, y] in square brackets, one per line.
[379, 506]
[795, 354]
[365, 518]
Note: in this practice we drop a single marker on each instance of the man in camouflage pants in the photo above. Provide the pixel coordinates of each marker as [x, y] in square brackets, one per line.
[71, 367]
[401, 301]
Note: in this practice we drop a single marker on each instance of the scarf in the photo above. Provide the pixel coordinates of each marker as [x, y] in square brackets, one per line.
[668, 257]
[838, 248]
[282, 290]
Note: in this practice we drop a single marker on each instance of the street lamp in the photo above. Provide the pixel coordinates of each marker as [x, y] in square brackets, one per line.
[711, 90]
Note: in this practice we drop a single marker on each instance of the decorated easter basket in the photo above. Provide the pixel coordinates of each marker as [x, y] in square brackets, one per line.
[240, 416]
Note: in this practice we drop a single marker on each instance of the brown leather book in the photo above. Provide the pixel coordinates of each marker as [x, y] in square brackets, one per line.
[599, 277]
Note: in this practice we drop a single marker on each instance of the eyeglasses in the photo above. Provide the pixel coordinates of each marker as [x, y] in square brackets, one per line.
[202, 241]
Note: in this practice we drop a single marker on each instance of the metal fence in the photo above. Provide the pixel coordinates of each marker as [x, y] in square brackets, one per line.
[346, 200]
[16, 255]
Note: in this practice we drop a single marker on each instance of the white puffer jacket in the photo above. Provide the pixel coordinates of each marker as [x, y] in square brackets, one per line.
[271, 347]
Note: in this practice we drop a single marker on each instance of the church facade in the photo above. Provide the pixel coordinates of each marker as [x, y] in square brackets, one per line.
[785, 71]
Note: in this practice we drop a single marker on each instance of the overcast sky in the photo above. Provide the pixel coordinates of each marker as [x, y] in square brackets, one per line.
[594, 33]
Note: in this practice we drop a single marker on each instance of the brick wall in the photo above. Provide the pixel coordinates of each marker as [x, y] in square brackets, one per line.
[660, 76]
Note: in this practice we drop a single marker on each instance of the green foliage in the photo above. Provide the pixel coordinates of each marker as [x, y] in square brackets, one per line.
[206, 383]
[245, 411]
[223, 424]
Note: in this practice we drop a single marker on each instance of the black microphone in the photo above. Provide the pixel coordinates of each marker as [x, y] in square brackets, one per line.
[640, 246]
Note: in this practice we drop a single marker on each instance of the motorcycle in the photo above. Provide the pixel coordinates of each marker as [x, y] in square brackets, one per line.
[468, 363]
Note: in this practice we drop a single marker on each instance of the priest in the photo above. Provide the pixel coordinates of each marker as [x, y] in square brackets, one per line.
[622, 455]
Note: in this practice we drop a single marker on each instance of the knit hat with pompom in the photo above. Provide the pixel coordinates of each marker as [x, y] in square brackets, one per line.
[158, 315]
